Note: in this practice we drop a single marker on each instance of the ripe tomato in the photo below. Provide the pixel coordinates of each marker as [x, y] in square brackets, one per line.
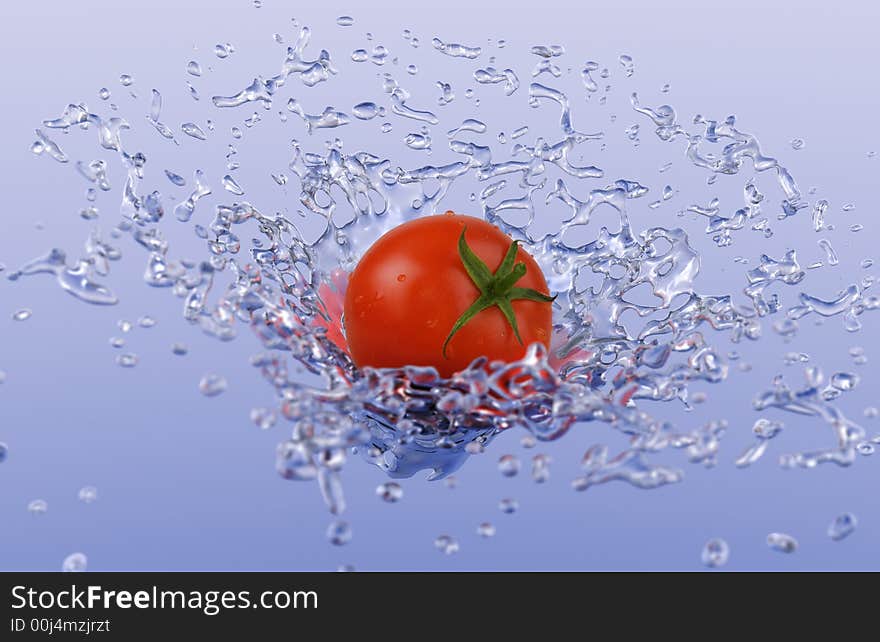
[441, 291]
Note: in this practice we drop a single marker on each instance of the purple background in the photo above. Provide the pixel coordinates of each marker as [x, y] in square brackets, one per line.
[186, 482]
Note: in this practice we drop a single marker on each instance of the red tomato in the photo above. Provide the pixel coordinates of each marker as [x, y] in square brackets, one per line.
[406, 298]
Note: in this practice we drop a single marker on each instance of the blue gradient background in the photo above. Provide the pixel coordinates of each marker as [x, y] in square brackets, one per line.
[188, 483]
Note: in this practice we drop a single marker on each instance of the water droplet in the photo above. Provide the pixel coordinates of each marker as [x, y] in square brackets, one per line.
[231, 186]
[74, 563]
[508, 505]
[797, 143]
[193, 130]
[178, 180]
[844, 380]
[221, 51]
[627, 63]
[212, 385]
[454, 49]
[21, 315]
[339, 533]
[782, 543]
[486, 530]
[345, 21]
[104, 93]
[87, 494]
[843, 526]
[390, 492]
[125, 80]
[38, 507]
[830, 254]
[193, 68]
[365, 111]
[508, 465]
[117, 342]
[179, 349]
[540, 468]
[386, 127]
[716, 552]
[412, 70]
[146, 321]
[127, 360]
[263, 418]
[417, 141]
[359, 55]
[446, 544]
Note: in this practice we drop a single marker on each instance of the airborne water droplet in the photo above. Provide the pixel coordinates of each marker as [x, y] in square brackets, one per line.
[212, 385]
[627, 63]
[230, 185]
[87, 494]
[263, 418]
[178, 180]
[417, 141]
[843, 526]
[191, 129]
[127, 360]
[390, 492]
[716, 552]
[38, 507]
[74, 563]
[446, 544]
[486, 530]
[508, 505]
[782, 543]
[540, 468]
[365, 111]
[339, 533]
[508, 465]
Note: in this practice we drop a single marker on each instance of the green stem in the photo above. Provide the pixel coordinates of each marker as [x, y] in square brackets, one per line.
[495, 289]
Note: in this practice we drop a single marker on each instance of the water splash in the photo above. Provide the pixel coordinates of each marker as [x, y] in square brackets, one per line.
[612, 353]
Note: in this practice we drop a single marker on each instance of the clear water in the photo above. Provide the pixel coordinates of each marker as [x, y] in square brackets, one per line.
[616, 352]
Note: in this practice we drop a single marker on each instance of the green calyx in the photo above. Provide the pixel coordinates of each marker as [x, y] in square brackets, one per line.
[495, 289]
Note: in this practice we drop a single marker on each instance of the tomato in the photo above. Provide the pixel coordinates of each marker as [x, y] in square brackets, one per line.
[442, 291]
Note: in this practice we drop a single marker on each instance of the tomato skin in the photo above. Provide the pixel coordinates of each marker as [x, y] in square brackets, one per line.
[410, 287]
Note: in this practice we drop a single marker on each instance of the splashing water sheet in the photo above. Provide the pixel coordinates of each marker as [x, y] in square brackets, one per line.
[696, 279]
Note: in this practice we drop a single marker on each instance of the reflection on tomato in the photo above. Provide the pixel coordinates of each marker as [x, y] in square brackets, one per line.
[442, 291]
